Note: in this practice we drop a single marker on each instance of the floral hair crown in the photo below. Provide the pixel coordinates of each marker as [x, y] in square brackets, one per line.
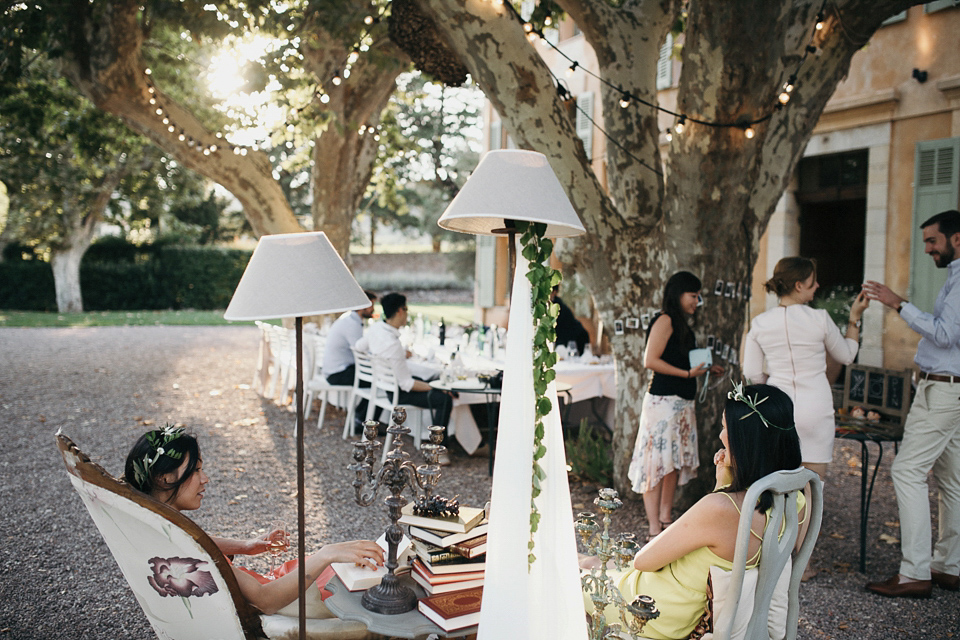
[754, 404]
[158, 440]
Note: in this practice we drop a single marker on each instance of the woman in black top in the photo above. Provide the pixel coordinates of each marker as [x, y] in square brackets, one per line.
[665, 453]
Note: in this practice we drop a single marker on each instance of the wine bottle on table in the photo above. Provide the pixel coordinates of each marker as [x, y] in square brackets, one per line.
[443, 331]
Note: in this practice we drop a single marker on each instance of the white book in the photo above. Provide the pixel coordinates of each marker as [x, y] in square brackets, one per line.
[463, 522]
[356, 578]
[445, 539]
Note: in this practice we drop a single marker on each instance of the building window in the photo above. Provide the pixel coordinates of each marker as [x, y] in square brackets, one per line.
[583, 121]
[936, 188]
[665, 64]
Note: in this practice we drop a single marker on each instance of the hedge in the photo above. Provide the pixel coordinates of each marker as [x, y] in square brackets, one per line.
[169, 277]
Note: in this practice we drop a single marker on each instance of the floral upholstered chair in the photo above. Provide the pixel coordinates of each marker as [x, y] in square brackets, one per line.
[182, 581]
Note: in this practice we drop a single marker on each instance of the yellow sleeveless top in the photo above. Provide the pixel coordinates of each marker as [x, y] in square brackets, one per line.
[679, 589]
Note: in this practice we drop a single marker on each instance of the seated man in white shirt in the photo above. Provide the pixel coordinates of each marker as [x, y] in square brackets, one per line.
[383, 340]
[338, 365]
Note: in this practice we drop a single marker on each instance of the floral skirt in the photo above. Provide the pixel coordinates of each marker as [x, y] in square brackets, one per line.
[667, 441]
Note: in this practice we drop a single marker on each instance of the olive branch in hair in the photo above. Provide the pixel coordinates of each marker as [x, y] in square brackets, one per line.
[158, 440]
[754, 402]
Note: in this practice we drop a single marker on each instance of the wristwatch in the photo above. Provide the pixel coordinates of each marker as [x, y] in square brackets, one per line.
[900, 306]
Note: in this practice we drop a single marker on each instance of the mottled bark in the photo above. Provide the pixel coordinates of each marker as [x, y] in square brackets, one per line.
[343, 156]
[707, 210]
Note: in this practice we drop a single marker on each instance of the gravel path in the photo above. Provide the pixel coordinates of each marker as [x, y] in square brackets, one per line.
[104, 386]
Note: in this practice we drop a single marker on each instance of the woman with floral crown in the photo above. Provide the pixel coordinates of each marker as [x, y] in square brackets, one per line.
[166, 465]
[759, 438]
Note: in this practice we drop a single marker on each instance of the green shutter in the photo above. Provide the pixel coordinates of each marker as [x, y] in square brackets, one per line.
[486, 271]
[936, 188]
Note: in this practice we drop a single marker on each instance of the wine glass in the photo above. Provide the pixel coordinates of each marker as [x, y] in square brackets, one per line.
[572, 349]
[279, 543]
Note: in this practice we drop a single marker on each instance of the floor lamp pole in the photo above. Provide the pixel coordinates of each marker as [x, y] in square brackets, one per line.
[301, 506]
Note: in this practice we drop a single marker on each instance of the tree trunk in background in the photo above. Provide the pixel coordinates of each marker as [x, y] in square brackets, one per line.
[701, 205]
[66, 278]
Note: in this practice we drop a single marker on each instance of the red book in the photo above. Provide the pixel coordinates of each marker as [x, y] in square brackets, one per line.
[455, 610]
[471, 548]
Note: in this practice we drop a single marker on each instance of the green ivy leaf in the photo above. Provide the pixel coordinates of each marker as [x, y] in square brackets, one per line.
[543, 406]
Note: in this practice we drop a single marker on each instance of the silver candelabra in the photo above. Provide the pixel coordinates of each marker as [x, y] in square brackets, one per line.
[598, 585]
[397, 473]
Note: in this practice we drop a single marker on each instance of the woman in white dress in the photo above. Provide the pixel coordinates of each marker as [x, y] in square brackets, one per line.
[787, 346]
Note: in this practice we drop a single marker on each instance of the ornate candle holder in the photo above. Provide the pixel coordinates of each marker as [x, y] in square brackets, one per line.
[598, 585]
[397, 473]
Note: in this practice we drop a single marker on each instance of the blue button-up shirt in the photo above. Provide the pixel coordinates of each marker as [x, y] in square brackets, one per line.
[939, 348]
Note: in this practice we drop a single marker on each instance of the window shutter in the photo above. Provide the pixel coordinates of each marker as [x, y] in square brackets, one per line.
[584, 125]
[936, 188]
[897, 17]
[486, 275]
[496, 134]
[937, 5]
[665, 64]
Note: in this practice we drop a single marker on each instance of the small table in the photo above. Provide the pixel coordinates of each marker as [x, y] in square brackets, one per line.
[863, 433]
[492, 397]
[346, 605]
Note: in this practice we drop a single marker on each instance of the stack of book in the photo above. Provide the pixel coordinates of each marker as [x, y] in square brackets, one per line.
[356, 578]
[449, 563]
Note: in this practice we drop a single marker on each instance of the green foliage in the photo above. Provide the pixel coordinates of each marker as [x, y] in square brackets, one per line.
[837, 301]
[589, 455]
[164, 277]
[543, 277]
[114, 319]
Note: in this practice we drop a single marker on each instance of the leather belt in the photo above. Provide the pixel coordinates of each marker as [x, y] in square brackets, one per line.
[936, 377]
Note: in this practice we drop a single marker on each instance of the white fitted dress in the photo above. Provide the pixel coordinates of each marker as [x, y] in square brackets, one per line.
[786, 347]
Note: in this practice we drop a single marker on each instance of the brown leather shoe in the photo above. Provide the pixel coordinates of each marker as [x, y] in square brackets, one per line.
[945, 580]
[892, 588]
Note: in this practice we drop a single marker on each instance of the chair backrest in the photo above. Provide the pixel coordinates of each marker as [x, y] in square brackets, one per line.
[363, 366]
[385, 380]
[776, 550]
[182, 581]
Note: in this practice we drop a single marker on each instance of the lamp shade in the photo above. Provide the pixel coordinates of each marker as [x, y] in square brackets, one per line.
[292, 275]
[512, 184]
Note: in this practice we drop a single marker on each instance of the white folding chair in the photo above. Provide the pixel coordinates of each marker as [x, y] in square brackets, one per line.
[317, 384]
[386, 391]
[152, 541]
[261, 372]
[743, 616]
[363, 372]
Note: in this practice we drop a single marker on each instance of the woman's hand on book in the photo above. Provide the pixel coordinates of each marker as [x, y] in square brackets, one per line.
[363, 553]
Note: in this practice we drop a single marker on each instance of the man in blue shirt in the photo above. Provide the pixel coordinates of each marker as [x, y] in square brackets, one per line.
[931, 438]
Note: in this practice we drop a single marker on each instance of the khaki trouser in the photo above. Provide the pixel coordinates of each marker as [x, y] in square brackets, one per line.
[931, 440]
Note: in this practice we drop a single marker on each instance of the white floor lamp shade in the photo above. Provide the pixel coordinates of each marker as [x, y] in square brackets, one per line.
[291, 276]
[295, 274]
[512, 184]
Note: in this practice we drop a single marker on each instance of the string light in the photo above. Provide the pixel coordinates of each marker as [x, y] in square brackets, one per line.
[626, 98]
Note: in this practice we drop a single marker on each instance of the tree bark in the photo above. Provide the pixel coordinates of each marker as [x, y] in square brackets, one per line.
[702, 203]
[344, 155]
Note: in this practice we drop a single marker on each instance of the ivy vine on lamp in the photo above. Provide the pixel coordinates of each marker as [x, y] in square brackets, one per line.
[515, 193]
[294, 275]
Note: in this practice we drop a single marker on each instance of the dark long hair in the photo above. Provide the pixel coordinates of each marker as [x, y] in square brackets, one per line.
[680, 283]
[759, 449]
[184, 444]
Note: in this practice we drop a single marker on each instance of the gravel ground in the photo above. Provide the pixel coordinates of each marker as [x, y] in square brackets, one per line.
[105, 386]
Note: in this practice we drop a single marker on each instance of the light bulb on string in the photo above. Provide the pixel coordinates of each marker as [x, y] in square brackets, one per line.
[749, 133]
[668, 134]
[159, 111]
[819, 25]
[572, 68]
[532, 37]
[624, 100]
[784, 98]
[171, 128]
[182, 136]
[336, 80]
[681, 124]
[527, 27]
[325, 98]
[548, 21]
[368, 20]
[152, 101]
